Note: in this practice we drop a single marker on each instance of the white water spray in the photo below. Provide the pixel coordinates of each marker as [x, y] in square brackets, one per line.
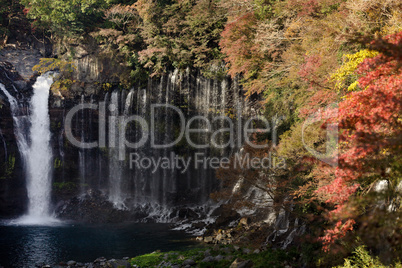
[40, 153]
[37, 154]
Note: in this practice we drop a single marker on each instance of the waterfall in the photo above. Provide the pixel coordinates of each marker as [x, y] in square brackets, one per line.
[115, 166]
[156, 191]
[82, 152]
[20, 123]
[40, 152]
[35, 151]
[129, 101]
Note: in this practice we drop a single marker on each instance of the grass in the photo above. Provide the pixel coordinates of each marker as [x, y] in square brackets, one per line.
[267, 258]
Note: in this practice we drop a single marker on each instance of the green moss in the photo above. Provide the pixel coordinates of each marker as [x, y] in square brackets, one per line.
[268, 258]
[147, 260]
[63, 186]
[57, 163]
[9, 167]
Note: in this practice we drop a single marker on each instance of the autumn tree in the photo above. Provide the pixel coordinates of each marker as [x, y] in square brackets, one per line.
[180, 34]
[370, 148]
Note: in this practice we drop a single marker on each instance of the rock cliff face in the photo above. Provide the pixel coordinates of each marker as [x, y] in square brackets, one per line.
[12, 178]
[79, 172]
[23, 60]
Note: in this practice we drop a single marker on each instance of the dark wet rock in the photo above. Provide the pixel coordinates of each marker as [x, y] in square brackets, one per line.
[101, 259]
[246, 251]
[229, 258]
[208, 259]
[199, 225]
[227, 250]
[226, 215]
[219, 258]
[189, 262]
[119, 264]
[92, 208]
[13, 194]
[187, 213]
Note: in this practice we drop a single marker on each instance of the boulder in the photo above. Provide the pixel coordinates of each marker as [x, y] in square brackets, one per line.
[245, 221]
[71, 263]
[208, 259]
[225, 215]
[208, 239]
[239, 263]
[190, 262]
[119, 264]
[219, 258]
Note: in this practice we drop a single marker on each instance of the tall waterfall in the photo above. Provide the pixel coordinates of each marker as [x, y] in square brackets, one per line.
[115, 166]
[35, 150]
[40, 153]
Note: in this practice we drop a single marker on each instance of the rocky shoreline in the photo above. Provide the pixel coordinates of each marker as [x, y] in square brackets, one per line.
[213, 256]
[101, 262]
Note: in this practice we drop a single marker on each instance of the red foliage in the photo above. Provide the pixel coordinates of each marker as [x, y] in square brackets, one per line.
[26, 11]
[321, 98]
[308, 69]
[339, 231]
[372, 131]
[237, 44]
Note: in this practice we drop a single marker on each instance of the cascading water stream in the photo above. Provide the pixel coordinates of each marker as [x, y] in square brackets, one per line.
[37, 153]
[81, 153]
[115, 165]
[39, 165]
[19, 124]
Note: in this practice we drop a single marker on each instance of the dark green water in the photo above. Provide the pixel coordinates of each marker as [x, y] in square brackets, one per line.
[24, 246]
